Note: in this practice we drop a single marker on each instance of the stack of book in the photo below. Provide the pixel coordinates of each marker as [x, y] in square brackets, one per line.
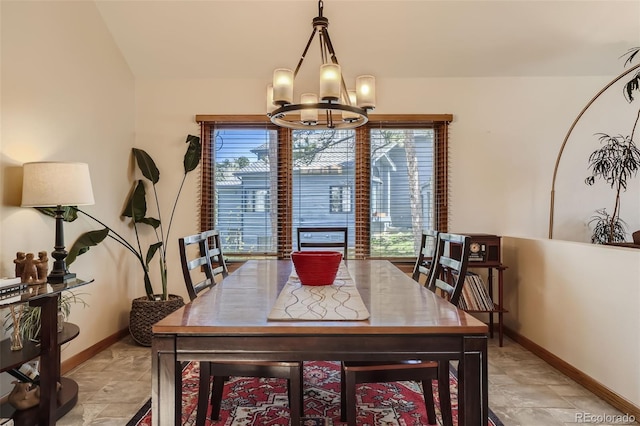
[9, 286]
[475, 296]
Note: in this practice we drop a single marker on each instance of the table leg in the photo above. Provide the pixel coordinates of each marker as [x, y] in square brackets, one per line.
[490, 287]
[473, 389]
[500, 314]
[49, 359]
[164, 409]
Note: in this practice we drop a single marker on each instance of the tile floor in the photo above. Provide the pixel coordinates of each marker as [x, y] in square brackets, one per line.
[523, 390]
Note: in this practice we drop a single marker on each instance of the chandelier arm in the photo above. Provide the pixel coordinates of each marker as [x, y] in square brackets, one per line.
[327, 40]
[304, 53]
[323, 48]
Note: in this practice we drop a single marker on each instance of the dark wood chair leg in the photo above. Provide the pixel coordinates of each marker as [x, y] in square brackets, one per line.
[203, 393]
[350, 400]
[295, 395]
[301, 375]
[427, 390]
[216, 396]
[343, 396]
[444, 391]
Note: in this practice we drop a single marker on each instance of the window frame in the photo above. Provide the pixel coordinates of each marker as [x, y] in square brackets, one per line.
[341, 201]
[361, 204]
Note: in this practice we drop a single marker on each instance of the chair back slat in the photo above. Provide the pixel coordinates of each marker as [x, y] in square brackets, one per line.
[192, 264]
[426, 253]
[451, 263]
[207, 259]
[341, 243]
[445, 286]
[447, 273]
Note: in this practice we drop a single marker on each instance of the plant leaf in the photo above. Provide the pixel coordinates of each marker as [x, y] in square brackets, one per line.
[147, 285]
[146, 165]
[136, 206]
[150, 221]
[193, 154]
[70, 212]
[153, 248]
[84, 242]
[631, 53]
[633, 84]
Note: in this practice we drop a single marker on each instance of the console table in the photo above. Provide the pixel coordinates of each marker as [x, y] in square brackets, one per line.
[53, 404]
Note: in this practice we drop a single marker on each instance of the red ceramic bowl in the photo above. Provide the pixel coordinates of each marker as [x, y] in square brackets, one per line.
[316, 267]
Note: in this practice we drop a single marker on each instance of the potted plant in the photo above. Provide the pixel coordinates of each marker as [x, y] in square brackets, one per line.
[154, 306]
[29, 316]
[616, 161]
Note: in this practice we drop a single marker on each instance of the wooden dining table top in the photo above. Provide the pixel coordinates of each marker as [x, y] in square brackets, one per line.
[241, 303]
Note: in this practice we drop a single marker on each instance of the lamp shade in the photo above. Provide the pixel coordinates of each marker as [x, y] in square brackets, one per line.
[330, 81]
[366, 91]
[49, 184]
[309, 116]
[282, 86]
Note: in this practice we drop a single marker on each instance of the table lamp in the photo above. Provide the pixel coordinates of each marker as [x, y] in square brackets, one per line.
[57, 184]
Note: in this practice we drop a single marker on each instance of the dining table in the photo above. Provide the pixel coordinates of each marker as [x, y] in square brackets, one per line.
[238, 320]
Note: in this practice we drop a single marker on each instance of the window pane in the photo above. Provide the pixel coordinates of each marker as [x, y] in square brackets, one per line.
[401, 190]
[245, 162]
[323, 179]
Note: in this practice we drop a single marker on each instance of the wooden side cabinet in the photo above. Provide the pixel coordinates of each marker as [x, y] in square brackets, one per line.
[486, 254]
[53, 404]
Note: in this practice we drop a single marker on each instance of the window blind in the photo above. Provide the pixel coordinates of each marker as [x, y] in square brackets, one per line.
[402, 189]
[241, 196]
[324, 180]
[386, 182]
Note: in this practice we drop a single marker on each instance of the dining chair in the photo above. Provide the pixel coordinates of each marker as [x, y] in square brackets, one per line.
[424, 260]
[449, 273]
[206, 261]
[446, 274]
[321, 238]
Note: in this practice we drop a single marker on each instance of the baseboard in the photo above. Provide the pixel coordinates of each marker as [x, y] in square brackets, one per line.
[74, 361]
[589, 383]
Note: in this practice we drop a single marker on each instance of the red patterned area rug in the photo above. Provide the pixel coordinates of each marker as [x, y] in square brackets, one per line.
[259, 402]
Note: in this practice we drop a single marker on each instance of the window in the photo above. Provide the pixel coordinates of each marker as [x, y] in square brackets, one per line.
[386, 181]
[238, 201]
[340, 199]
[258, 200]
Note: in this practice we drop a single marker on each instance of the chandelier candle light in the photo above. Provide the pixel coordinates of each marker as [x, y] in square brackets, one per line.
[336, 107]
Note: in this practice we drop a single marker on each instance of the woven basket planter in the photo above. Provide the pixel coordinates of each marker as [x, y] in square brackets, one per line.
[144, 313]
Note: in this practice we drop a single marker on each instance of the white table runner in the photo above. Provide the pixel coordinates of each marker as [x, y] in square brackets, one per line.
[339, 301]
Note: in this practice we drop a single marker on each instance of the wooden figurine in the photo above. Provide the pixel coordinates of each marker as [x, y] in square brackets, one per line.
[29, 271]
[42, 267]
[19, 261]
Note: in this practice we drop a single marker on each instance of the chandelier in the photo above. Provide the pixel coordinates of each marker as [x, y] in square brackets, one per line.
[335, 107]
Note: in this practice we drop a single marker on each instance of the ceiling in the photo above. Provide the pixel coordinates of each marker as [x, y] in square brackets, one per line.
[387, 38]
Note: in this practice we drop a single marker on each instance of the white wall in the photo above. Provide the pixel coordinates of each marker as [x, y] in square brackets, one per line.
[580, 302]
[505, 135]
[68, 95]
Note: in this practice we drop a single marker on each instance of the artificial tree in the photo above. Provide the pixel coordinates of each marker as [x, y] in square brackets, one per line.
[615, 162]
